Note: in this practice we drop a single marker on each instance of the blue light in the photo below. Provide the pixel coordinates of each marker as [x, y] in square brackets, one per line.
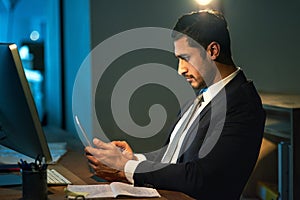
[35, 35]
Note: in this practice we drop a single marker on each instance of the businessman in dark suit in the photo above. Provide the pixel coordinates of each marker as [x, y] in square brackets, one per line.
[218, 148]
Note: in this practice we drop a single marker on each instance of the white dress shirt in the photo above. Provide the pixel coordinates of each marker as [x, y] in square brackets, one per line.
[208, 95]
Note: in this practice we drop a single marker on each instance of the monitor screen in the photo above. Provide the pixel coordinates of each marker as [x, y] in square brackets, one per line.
[20, 127]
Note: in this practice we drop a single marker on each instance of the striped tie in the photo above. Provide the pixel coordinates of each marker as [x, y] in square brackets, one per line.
[172, 146]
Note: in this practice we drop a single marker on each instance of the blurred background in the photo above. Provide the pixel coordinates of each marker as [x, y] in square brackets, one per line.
[55, 36]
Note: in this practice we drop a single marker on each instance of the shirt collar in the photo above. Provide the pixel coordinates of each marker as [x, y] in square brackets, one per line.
[214, 89]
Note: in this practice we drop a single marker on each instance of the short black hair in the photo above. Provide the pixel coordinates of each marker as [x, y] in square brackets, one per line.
[204, 27]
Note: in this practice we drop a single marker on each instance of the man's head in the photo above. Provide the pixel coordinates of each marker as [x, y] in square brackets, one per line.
[205, 27]
[201, 40]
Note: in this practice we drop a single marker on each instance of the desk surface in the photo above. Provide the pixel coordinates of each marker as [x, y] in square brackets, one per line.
[74, 166]
[281, 100]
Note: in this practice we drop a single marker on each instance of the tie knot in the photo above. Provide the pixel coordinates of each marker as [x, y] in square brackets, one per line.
[199, 98]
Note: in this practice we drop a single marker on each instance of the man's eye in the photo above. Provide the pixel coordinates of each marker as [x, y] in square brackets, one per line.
[187, 58]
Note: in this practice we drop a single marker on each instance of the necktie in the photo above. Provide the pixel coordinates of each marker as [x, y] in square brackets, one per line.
[172, 146]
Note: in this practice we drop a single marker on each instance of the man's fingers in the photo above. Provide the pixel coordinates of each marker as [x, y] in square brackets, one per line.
[101, 168]
[123, 145]
[93, 160]
[100, 144]
[91, 151]
[120, 143]
[86, 149]
[109, 146]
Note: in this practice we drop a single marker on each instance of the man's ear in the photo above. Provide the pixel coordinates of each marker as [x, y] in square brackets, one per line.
[213, 50]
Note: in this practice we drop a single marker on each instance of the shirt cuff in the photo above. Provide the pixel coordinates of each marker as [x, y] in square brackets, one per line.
[129, 169]
[140, 157]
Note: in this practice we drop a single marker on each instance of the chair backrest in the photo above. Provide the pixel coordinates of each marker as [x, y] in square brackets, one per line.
[265, 168]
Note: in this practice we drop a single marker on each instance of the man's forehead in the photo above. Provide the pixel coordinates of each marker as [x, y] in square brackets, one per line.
[180, 45]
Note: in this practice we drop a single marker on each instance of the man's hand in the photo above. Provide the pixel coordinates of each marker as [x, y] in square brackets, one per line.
[105, 172]
[108, 154]
[108, 159]
[126, 149]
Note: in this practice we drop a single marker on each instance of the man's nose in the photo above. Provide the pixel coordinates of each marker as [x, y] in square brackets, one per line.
[182, 67]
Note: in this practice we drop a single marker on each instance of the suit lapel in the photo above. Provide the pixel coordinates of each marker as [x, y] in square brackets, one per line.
[193, 133]
[198, 129]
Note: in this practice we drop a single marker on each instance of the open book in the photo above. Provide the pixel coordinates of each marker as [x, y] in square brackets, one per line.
[112, 190]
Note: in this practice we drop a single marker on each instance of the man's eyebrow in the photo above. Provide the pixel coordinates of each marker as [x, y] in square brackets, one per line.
[182, 56]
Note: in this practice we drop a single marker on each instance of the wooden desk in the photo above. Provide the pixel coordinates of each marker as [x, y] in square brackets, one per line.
[73, 166]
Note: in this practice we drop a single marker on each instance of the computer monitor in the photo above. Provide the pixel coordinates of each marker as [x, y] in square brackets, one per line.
[20, 127]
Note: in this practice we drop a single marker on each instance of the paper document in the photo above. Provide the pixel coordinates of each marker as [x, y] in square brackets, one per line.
[112, 190]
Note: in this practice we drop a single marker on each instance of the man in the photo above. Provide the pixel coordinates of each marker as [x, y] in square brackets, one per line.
[216, 151]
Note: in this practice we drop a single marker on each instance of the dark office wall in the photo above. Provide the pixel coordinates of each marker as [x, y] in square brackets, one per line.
[265, 41]
[264, 37]
[109, 17]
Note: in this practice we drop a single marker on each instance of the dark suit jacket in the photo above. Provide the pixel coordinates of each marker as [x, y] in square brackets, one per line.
[222, 171]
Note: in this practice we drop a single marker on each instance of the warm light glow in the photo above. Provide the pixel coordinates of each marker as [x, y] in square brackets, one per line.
[203, 2]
